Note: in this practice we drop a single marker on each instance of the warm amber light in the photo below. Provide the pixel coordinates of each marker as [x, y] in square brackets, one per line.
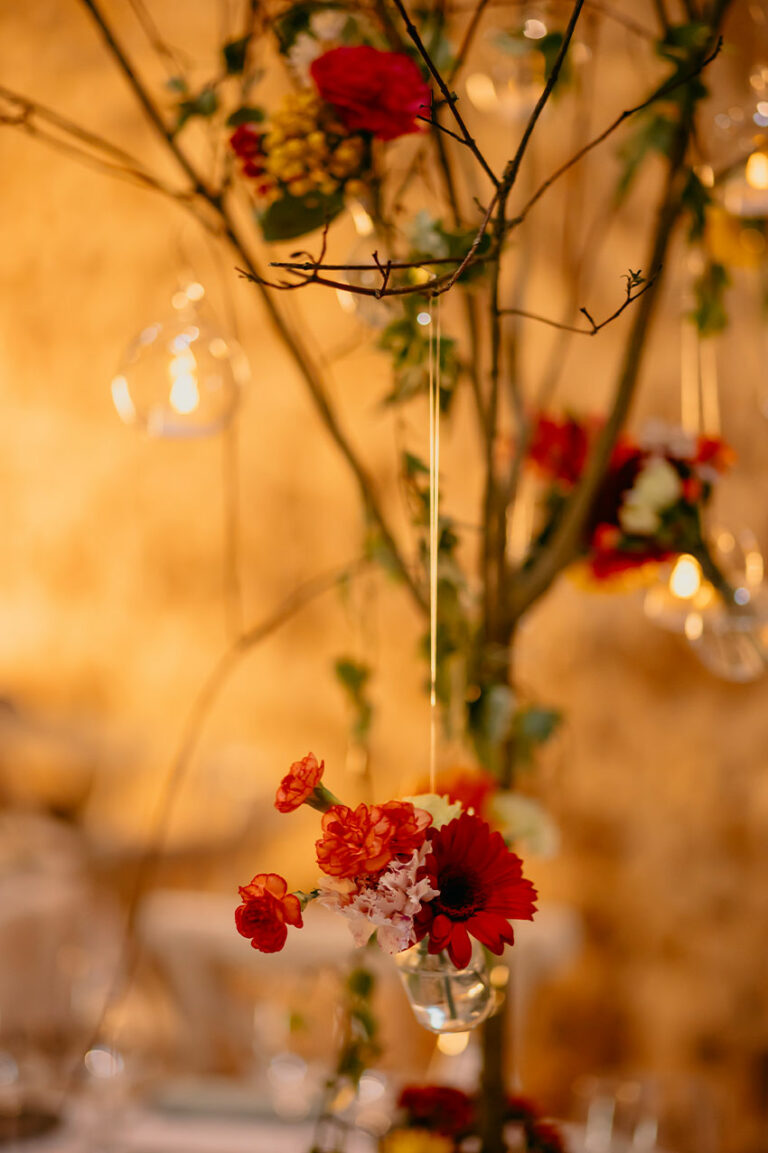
[757, 171]
[685, 578]
[122, 400]
[451, 1044]
[482, 92]
[185, 395]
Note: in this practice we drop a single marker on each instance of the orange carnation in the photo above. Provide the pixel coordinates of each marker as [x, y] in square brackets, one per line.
[299, 783]
[365, 840]
[266, 911]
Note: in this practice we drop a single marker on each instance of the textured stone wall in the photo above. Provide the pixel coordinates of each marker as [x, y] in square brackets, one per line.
[113, 587]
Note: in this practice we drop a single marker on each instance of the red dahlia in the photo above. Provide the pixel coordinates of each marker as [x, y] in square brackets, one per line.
[481, 888]
[438, 1108]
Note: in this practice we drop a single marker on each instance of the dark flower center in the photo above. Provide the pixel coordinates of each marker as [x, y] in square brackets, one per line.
[461, 895]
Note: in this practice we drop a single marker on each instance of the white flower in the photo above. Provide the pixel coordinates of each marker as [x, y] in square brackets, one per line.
[389, 905]
[328, 24]
[302, 52]
[639, 520]
[440, 809]
[657, 487]
[424, 235]
[525, 823]
[663, 439]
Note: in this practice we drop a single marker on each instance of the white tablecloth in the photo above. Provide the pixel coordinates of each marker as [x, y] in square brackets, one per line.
[148, 1132]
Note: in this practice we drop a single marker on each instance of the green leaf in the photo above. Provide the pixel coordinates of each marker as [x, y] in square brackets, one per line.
[205, 104]
[414, 466]
[550, 46]
[177, 84]
[536, 725]
[234, 53]
[655, 134]
[293, 216]
[361, 982]
[709, 313]
[696, 200]
[247, 114]
[354, 677]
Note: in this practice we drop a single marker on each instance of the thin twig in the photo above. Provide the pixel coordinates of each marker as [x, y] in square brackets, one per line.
[594, 329]
[564, 544]
[450, 97]
[664, 90]
[290, 339]
[466, 43]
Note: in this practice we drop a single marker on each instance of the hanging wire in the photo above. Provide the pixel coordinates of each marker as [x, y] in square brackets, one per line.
[434, 526]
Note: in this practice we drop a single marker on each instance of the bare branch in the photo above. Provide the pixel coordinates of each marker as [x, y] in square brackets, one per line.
[309, 373]
[450, 97]
[664, 90]
[594, 328]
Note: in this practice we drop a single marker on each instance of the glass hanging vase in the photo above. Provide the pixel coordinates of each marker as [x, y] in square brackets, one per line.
[445, 998]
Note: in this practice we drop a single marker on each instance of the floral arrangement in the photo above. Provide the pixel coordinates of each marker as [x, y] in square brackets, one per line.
[410, 871]
[650, 503]
[442, 1119]
[318, 145]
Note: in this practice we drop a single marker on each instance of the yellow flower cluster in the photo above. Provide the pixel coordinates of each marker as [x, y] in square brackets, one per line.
[416, 1141]
[307, 150]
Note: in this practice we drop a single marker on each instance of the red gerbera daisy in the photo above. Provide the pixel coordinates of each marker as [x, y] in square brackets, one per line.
[481, 887]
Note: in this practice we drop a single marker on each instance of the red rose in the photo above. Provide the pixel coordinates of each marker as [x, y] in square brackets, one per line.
[266, 911]
[365, 840]
[372, 91]
[299, 783]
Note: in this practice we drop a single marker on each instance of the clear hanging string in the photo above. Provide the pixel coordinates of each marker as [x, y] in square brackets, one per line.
[434, 526]
[699, 399]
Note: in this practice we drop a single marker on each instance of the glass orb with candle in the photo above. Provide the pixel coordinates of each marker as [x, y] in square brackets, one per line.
[180, 377]
[731, 640]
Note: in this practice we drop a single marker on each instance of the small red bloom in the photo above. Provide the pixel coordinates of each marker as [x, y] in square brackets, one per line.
[481, 887]
[245, 142]
[693, 490]
[559, 448]
[470, 787]
[437, 1108]
[266, 911]
[365, 840]
[372, 91]
[519, 1108]
[544, 1137]
[299, 783]
[712, 450]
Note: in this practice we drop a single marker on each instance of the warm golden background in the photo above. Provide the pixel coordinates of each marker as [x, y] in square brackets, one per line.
[113, 606]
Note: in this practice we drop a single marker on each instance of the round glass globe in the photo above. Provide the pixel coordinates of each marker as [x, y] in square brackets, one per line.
[180, 378]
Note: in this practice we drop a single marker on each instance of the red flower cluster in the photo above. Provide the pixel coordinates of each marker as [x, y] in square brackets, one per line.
[266, 912]
[392, 869]
[481, 887]
[452, 1113]
[299, 783]
[248, 144]
[372, 91]
[438, 1108]
[559, 448]
[365, 840]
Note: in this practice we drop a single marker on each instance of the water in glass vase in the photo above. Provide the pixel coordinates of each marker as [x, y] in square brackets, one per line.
[446, 999]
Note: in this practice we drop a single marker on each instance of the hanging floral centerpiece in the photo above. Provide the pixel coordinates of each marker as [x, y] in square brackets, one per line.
[435, 884]
[650, 504]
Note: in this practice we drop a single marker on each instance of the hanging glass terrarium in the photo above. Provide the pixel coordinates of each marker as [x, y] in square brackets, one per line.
[181, 377]
[444, 998]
